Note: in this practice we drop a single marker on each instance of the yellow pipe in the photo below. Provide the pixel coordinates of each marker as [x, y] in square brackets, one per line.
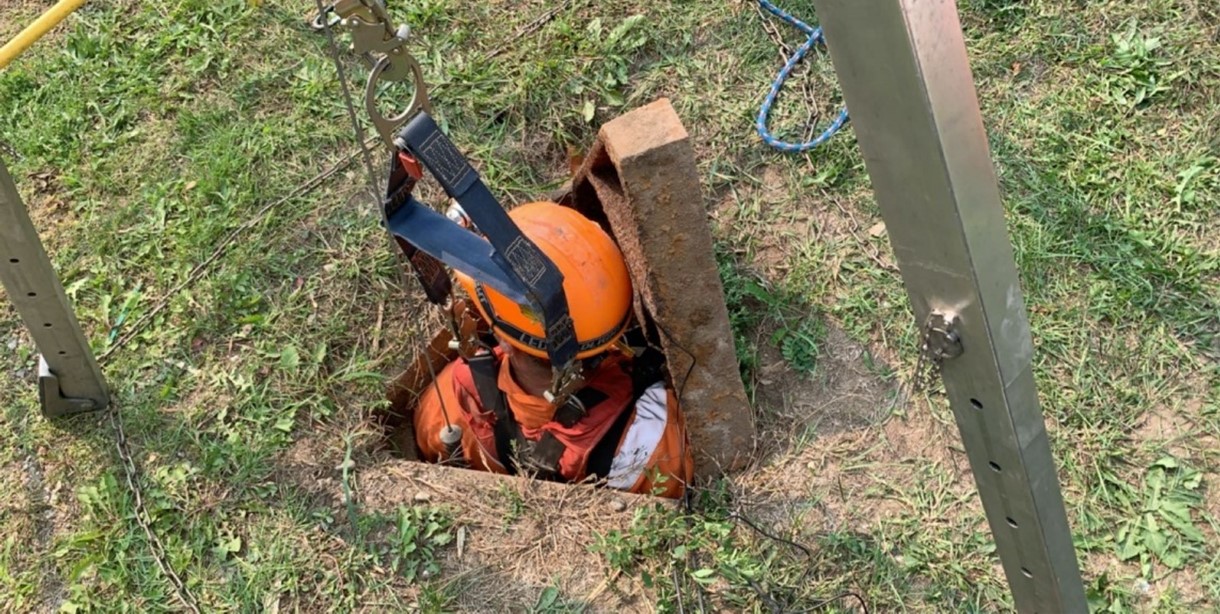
[37, 30]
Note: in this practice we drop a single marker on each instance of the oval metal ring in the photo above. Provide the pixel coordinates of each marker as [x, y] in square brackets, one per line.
[419, 98]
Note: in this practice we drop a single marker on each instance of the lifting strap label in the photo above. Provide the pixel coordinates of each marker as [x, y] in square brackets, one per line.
[447, 164]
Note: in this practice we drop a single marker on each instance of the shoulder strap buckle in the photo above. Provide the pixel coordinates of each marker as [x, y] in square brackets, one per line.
[565, 382]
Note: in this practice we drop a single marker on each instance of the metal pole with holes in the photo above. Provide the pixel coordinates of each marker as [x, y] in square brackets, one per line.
[907, 81]
[69, 380]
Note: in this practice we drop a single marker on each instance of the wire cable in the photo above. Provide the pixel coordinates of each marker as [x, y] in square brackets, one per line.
[333, 49]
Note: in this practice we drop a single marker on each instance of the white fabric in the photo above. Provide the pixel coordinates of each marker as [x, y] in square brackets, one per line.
[642, 438]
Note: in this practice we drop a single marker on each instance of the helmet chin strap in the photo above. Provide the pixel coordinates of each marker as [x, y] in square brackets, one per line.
[566, 379]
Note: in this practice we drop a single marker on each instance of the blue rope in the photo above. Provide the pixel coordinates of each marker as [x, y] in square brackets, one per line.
[815, 37]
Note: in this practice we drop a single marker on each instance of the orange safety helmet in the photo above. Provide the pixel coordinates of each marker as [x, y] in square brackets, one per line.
[595, 280]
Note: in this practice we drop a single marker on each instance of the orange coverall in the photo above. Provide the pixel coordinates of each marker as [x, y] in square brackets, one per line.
[652, 455]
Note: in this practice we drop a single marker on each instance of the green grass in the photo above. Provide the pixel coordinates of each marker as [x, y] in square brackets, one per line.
[159, 127]
[795, 328]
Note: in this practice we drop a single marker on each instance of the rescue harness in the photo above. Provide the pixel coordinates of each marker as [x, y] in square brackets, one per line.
[518, 454]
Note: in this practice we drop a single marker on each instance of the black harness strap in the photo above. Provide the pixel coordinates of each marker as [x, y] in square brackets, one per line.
[483, 369]
[602, 455]
[521, 265]
[542, 457]
[577, 406]
[514, 450]
[646, 369]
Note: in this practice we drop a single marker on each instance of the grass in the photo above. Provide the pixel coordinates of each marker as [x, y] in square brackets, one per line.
[755, 305]
[149, 131]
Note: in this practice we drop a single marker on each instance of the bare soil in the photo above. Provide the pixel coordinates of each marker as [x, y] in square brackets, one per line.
[515, 536]
[845, 437]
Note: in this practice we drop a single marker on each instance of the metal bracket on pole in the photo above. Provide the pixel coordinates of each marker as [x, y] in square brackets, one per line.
[69, 380]
[906, 78]
[50, 395]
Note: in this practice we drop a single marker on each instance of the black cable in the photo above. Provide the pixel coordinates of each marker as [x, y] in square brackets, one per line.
[737, 515]
[678, 589]
[765, 596]
[693, 361]
[749, 523]
[836, 599]
[690, 511]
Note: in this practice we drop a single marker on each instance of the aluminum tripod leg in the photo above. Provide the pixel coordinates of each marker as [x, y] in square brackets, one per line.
[907, 83]
[69, 380]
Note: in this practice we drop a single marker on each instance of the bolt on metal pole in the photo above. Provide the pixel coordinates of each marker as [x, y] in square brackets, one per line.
[69, 380]
[907, 81]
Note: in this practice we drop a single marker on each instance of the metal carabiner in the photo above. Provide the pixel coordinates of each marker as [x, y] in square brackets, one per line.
[384, 50]
[325, 20]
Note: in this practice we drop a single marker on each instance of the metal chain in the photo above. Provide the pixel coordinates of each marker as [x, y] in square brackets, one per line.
[144, 519]
[926, 367]
[157, 549]
[939, 340]
[764, 113]
[10, 150]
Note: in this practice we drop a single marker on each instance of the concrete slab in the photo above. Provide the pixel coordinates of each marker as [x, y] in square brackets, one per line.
[641, 180]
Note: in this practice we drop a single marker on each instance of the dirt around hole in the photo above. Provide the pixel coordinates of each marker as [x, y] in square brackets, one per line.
[848, 389]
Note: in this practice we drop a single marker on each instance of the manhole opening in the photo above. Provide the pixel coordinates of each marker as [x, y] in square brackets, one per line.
[404, 391]
[679, 304]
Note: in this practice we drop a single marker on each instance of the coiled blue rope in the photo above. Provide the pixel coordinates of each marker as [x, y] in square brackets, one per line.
[815, 37]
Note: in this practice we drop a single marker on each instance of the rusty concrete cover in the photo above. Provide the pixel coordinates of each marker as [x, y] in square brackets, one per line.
[642, 180]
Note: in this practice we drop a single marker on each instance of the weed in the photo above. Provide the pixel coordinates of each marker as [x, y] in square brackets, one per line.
[798, 330]
[514, 505]
[799, 343]
[743, 318]
[1137, 64]
[18, 587]
[552, 602]
[419, 533]
[1159, 525]
[661, 547]
[613, 51]
[436, 598]
[409, 544]
[1197, 179]
[1003, 12]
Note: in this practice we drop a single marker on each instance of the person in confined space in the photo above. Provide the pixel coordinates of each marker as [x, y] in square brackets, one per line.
[623, 426]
